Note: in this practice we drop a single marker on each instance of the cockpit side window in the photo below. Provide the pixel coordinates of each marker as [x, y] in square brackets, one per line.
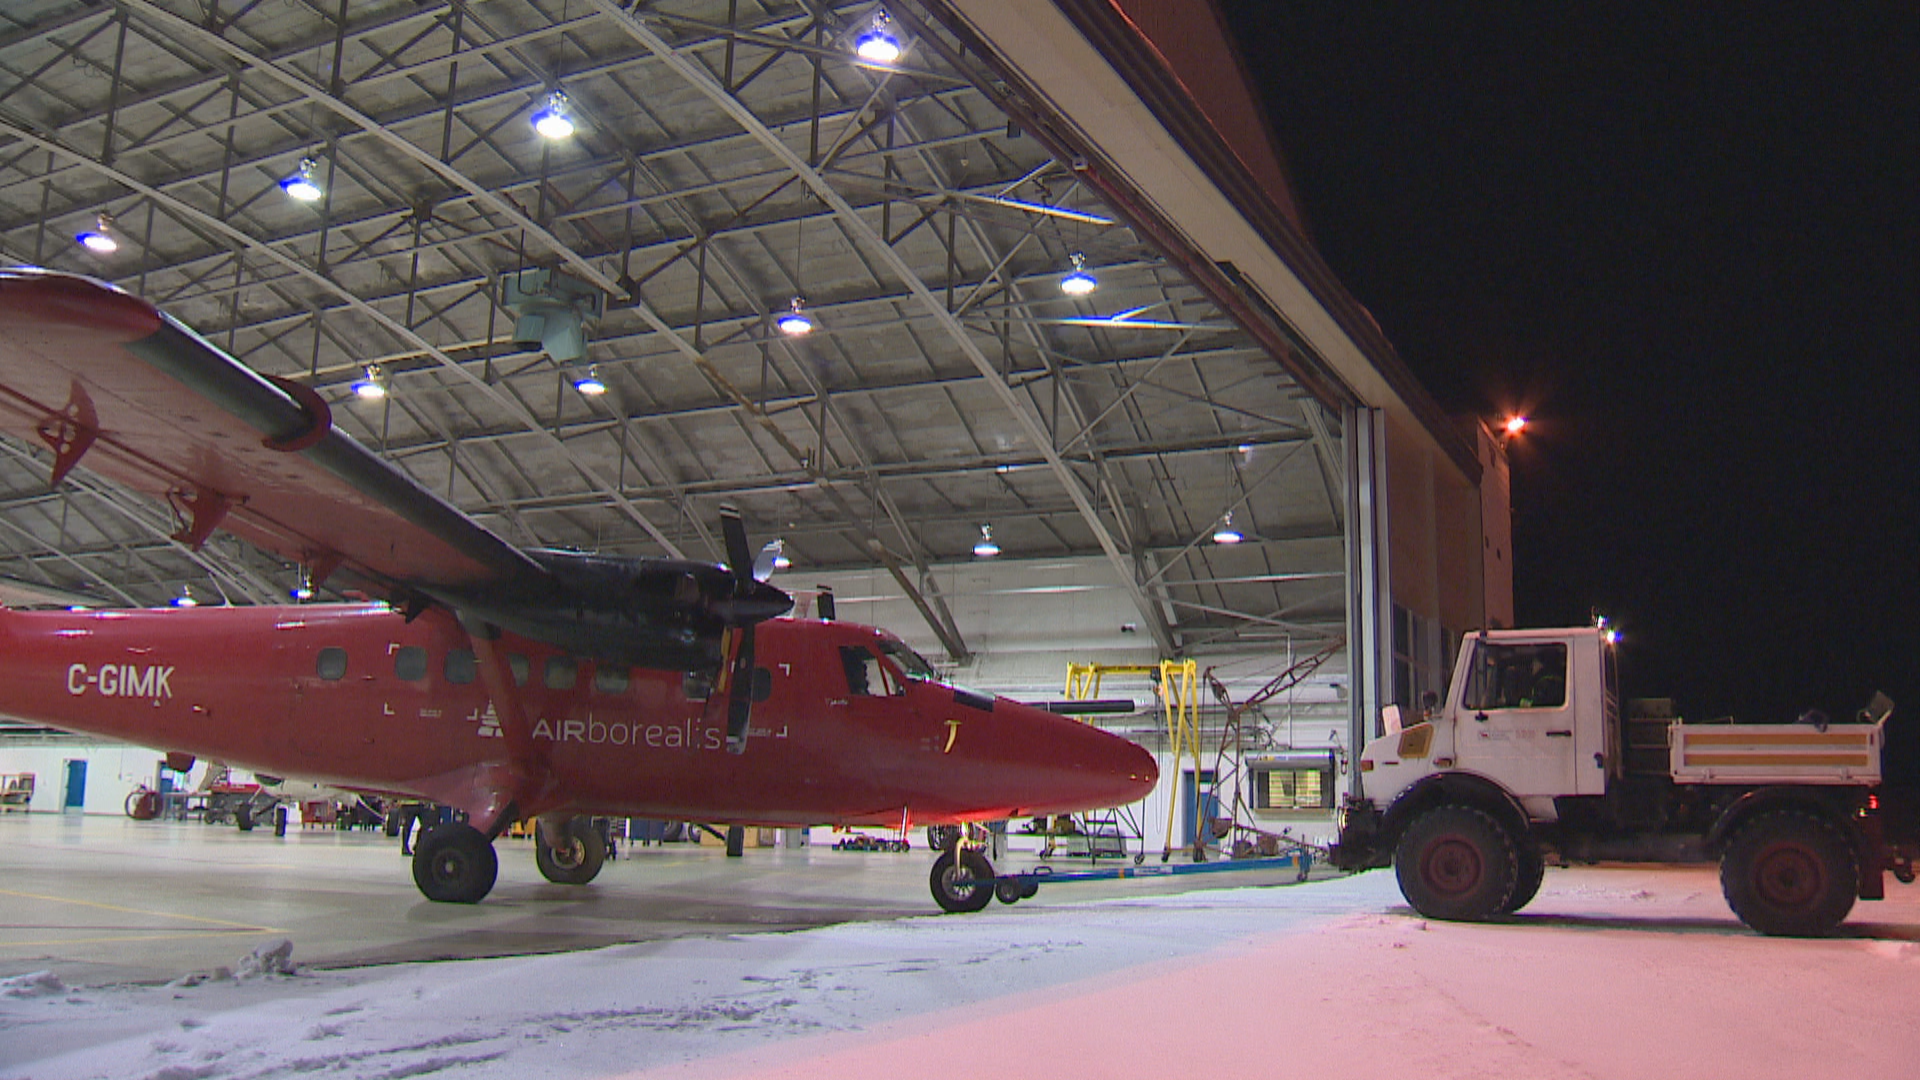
[915, 666]
[866, 675]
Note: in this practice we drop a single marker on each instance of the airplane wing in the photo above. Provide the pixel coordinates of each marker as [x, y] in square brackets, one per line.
[102, 378]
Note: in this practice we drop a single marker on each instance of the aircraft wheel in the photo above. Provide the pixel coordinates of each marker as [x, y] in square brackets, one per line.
[577, 860]
[455, 864]
[243, 817]
[956, 899]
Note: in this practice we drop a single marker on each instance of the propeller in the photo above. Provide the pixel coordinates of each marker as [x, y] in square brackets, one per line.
[740, 678]
[768, 560]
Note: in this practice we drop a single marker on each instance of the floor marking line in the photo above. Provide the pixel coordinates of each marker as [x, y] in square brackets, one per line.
[123, 910]
[116, 939]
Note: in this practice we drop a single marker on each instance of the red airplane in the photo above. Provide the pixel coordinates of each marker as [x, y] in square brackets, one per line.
[509, 684]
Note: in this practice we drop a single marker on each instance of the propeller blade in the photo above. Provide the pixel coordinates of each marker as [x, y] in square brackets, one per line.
[739, 554]
[763, 563]
[747, 588]
[740, 694]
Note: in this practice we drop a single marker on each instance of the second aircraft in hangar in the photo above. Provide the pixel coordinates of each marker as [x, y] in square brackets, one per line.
[506, 683]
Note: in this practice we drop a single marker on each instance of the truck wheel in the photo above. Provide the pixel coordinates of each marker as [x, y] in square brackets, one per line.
[1789, 874]
[1456, 863]
[1531, 869]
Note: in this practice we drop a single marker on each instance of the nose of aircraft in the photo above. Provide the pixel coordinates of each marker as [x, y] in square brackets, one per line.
[1095, 769]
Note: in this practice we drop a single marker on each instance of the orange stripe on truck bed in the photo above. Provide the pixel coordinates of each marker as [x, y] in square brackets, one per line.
[1808, 738]
[1695, 760]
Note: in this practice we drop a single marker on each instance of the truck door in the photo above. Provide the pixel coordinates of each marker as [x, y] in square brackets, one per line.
[1517, 720]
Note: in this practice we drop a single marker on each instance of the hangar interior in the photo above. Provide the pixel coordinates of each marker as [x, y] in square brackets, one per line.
[1075, 386]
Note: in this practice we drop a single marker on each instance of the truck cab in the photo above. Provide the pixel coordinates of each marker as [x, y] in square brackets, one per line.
[1527, 760]
[1535, 712]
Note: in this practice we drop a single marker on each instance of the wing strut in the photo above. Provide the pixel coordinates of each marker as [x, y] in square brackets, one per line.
[70, 432]
[527, 774]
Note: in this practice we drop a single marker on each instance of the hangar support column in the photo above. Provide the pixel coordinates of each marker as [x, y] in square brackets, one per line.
[1369, 595]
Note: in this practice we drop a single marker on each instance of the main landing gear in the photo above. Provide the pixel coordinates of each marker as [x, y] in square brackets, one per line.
[454, 863]
[569, 851]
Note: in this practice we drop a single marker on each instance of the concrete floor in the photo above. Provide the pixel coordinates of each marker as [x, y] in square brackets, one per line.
[105, 899]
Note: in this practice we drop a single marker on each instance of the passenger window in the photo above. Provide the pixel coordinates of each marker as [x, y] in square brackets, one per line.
[866, 675]
[410, 663]
[610, 679]
[461, 667]
[333, 664]
[520, 668]
[562, 672]
[697, 685]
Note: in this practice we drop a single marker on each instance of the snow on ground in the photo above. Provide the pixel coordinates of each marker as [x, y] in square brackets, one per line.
[1628, 973]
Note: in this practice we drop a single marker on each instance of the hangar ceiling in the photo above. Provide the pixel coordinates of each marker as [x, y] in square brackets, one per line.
[730, 156]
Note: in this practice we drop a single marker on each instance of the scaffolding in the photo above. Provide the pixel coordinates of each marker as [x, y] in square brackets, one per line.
[1176, 683]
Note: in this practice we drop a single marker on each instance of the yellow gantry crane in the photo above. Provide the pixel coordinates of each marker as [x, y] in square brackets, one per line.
[1176, 682]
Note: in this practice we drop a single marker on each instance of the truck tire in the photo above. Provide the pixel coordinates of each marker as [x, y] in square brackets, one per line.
[1787, 873]
[1530, 871]
[1456, 863]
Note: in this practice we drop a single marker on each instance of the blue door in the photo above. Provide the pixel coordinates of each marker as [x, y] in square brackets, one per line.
[76, 793]
[1192, 804]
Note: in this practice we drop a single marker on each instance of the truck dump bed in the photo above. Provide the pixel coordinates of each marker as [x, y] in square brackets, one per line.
[1776, 754]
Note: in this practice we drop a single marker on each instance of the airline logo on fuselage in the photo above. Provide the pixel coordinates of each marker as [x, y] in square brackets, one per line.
[121, 680]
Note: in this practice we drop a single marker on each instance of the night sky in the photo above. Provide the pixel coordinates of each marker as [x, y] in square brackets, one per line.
[1683, 239]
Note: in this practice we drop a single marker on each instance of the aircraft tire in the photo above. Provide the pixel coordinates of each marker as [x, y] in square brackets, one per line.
[578, 861]
[243, 817]
[959, 899]
[455, 863]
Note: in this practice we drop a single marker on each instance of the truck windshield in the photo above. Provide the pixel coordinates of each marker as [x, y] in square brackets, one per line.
[1518, 677]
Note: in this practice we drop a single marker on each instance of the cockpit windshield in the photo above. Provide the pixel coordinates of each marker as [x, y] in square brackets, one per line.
[911, 664]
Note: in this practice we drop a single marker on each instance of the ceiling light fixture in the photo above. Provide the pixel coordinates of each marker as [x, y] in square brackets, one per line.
[986, 548]
[99, 239]
[555, 120]
[589, 383]
[795, 322]
[185, 599]
[878, 45]
[1514, 425]
[372, 386]
[1079, 282]
[1226, 533]
[301, 184]
[303, 585]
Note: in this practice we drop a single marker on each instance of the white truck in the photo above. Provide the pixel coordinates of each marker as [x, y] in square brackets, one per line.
[1531, 758]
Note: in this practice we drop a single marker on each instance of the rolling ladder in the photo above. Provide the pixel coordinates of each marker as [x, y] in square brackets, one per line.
[1176, 683]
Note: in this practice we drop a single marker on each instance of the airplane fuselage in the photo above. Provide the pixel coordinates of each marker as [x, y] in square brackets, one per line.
[358, 696]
